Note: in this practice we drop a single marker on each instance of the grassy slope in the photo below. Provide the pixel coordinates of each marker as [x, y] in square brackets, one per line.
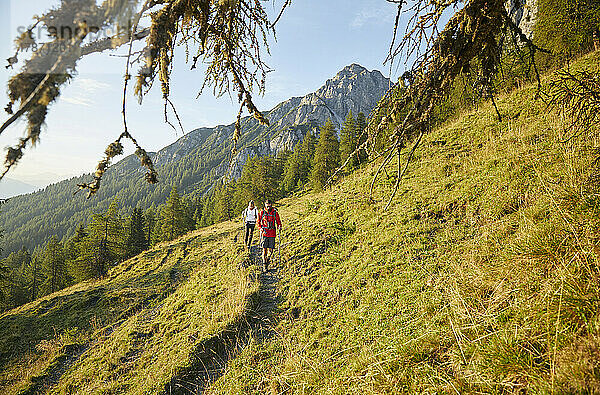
[134, 331]
[481, 277]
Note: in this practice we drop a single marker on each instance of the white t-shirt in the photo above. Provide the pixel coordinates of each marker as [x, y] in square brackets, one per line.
[250, 215]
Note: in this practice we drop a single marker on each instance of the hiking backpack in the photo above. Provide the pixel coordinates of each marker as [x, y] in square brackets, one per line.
[270, 218]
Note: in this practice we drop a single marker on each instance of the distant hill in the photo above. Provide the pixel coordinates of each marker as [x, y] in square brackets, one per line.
[10, 188]
[193, 163]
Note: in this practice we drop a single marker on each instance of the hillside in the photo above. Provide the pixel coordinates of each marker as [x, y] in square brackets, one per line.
[192, 164]
[482, 276]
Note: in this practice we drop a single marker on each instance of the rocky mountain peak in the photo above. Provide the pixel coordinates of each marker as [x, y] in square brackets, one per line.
[354, 88]
[350, 71]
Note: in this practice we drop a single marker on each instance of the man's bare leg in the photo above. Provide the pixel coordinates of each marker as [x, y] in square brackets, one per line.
[265, 259]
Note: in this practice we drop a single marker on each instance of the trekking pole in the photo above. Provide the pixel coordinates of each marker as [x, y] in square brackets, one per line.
[279, 234]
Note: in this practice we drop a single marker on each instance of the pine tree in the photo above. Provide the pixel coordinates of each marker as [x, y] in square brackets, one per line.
[246, 190]
[54, 266]
[189, 209]
[72, 251]
[307, 156]
[348, 142]
[150, 220]
[14, 278]
[35, 278]
[4, 284]
[172, 218]
[224, 199]
[3, 274]
[266, 179]
[327, 156]
[361, 137]
[291, 172]
[208, 211]
[104, 244]
[136, 235]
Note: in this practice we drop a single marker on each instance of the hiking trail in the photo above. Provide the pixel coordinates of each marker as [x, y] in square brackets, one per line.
[257, 324]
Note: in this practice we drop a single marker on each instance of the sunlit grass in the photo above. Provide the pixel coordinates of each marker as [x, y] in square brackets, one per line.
[134, 330]
[481, 277]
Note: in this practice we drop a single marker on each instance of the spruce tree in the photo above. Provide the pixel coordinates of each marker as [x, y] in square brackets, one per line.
[223, 209]
[54, 267]
[104, 244]
[327, 156]
[266, 179]
[14, 282]
[361, 136]
[208, 211]
[189, 210]
[307, 156]
[348, 142]
[72, 251]
[172, 218]
[35, 278]
[291, 172]
[247, 188]
[4, 282]
[150, 221]
[197, 217]
[136, 235]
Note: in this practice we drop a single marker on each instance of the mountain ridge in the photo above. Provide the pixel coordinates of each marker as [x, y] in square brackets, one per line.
[10, 187]
[193, 163]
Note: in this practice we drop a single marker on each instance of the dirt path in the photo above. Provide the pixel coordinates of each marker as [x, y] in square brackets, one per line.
[258, 324]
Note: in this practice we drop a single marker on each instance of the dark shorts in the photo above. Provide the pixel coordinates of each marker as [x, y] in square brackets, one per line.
[268, 242]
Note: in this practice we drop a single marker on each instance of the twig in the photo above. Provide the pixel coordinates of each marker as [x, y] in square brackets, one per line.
[401, 174]
[287, 3]
[383, 164]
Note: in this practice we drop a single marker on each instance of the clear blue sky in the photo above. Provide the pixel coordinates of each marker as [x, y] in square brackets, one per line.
[315, 39]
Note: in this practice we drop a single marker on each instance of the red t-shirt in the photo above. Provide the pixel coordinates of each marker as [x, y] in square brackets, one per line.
[269, 217]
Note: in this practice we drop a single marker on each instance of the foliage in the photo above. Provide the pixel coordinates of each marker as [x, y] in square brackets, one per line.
[577, 94]
[469, 44]
[229, 36]
[299, 164]
[103, 245]
[137, 241]
[110, 238]
[171, 218]
[130, 319]
[482, 278]
[566, 27]
[14, 277]
[348, 142]
[352, 136]
[54, 266]
[327, 156]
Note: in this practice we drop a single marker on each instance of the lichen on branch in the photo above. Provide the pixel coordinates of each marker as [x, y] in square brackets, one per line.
[228, 36]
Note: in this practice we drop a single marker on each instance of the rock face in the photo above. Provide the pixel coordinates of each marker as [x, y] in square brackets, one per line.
[523, 13]
[353, 89]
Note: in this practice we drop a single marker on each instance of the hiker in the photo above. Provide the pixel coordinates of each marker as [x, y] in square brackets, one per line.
[268, 220]
[250, 216]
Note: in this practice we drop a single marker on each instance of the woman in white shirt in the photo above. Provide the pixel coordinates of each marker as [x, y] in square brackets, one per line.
[250, 216]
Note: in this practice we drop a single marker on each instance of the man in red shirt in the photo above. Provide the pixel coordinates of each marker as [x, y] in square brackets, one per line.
[269, 222]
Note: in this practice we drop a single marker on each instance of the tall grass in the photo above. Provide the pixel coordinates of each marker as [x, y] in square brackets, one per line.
[481, 277]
